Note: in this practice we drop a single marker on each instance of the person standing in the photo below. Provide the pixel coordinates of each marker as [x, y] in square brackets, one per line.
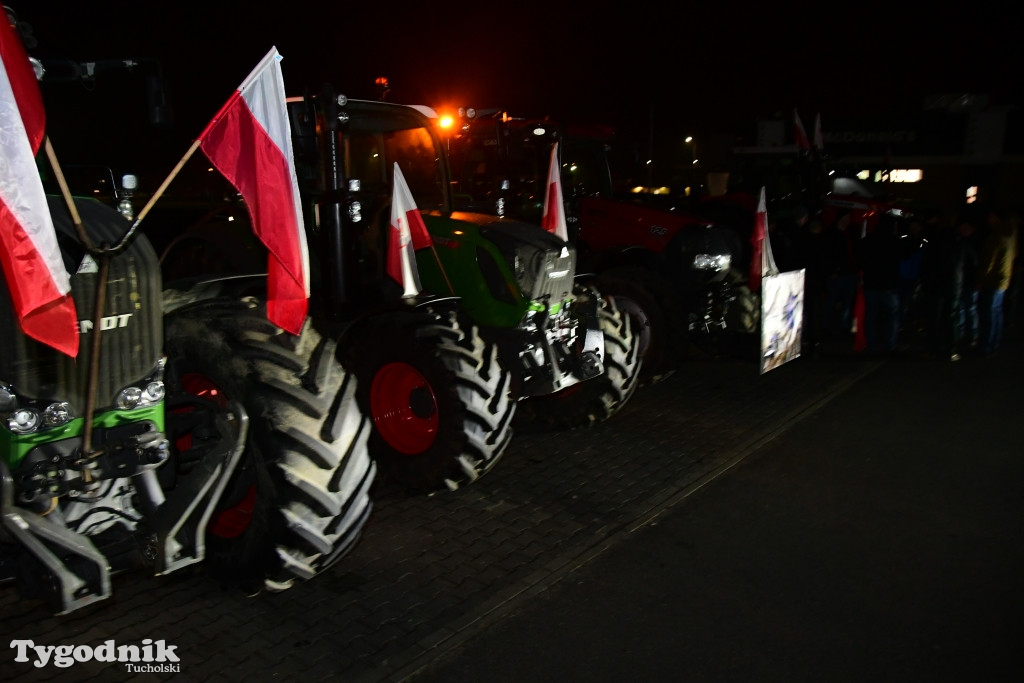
[967, 303]
[810, 255]
[942, 284]
[1011, 304]
[840, 276]
[995, 270]
[880, 254]
[910, 274]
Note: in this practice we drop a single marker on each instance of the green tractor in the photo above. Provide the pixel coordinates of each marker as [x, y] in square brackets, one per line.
[502, 318]
[502, 323]
[206, 434]
[188, 428]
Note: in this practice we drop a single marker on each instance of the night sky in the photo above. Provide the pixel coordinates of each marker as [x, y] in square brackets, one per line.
[710, 66]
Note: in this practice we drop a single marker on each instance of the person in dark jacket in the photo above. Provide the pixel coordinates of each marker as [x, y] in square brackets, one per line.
[910, 274]
[838, 243]
[967, 308]
[879, 255]
[947, 256]
[810, 254]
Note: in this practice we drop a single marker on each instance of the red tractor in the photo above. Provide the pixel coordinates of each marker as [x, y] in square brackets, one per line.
[667, 267]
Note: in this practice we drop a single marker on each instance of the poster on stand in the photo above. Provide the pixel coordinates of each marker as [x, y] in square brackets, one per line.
[782, 318]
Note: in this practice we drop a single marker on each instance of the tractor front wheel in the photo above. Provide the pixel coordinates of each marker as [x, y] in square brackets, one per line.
[300, 496]
[656, 316]
[438, 398]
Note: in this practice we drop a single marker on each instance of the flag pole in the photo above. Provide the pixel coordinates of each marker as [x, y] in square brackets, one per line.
[167, 181]
[92, 378]
[156, 195]
[66, 193]
[444, 273]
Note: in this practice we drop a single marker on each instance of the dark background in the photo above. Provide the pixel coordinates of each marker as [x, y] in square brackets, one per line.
[709, 67]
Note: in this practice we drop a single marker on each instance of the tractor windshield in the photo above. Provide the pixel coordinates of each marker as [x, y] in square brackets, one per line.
[371, 155]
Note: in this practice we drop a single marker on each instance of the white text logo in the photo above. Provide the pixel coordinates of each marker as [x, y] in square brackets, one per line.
[64, 656]
[109, 322]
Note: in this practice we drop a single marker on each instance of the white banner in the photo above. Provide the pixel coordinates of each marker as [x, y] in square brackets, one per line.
[782, 318]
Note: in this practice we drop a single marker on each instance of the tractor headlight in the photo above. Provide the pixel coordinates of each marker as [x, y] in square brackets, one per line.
[129, 398]
[23, 421]
[57, 414]
[146, 393]
[716, 262]
[154, 392]
[27, 416]
[7, 398]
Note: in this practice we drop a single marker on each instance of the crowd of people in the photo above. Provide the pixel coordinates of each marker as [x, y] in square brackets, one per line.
[938, 285]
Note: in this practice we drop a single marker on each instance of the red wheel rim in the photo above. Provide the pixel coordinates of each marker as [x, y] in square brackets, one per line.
[404, 408]
[202, 386]
[233, 521]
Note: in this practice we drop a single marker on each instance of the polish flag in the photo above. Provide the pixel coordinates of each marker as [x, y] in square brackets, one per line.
[408, 233]
[250, 143]
[39, 285]
[553, 219]
[802, 141]
[761, 260]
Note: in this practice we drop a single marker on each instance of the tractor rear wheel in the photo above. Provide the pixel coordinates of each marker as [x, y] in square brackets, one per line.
[438, 398]
[300, 496]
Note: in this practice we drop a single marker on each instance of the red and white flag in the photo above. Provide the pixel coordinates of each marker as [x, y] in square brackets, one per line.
[761, 260]
[553, 219]
[39, 285]
[249, 141]
[407, 234]
[819, 140]
[799, 133]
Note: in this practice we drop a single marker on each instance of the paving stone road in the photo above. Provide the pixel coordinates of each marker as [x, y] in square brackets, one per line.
[428, 568]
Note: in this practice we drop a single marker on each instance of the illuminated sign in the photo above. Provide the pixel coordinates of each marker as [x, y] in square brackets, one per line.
[896, 175]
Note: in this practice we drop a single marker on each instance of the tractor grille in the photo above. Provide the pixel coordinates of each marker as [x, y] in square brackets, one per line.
[555, 274]
[544, 265]
[132, 337]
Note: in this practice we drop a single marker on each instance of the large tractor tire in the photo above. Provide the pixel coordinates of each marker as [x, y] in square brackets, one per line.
[301, 493]
[439, 400]
[744, 313]
[597, 399]
[656, 318]
[742, 336]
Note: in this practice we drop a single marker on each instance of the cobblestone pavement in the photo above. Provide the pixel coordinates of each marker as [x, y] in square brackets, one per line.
[429, 570]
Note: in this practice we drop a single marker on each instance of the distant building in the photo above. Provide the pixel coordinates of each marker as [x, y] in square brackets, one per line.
[956, 149]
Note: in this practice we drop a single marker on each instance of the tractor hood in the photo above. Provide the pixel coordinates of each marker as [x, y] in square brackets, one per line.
[543, 264]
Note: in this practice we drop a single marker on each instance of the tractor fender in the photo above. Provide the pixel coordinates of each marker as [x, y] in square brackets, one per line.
[233, 287]
[346, 330]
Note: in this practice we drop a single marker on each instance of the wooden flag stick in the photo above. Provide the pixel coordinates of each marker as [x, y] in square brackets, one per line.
[441, 268]
[167, 181]
[76, 218]
[92, 378]
[66, 192]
